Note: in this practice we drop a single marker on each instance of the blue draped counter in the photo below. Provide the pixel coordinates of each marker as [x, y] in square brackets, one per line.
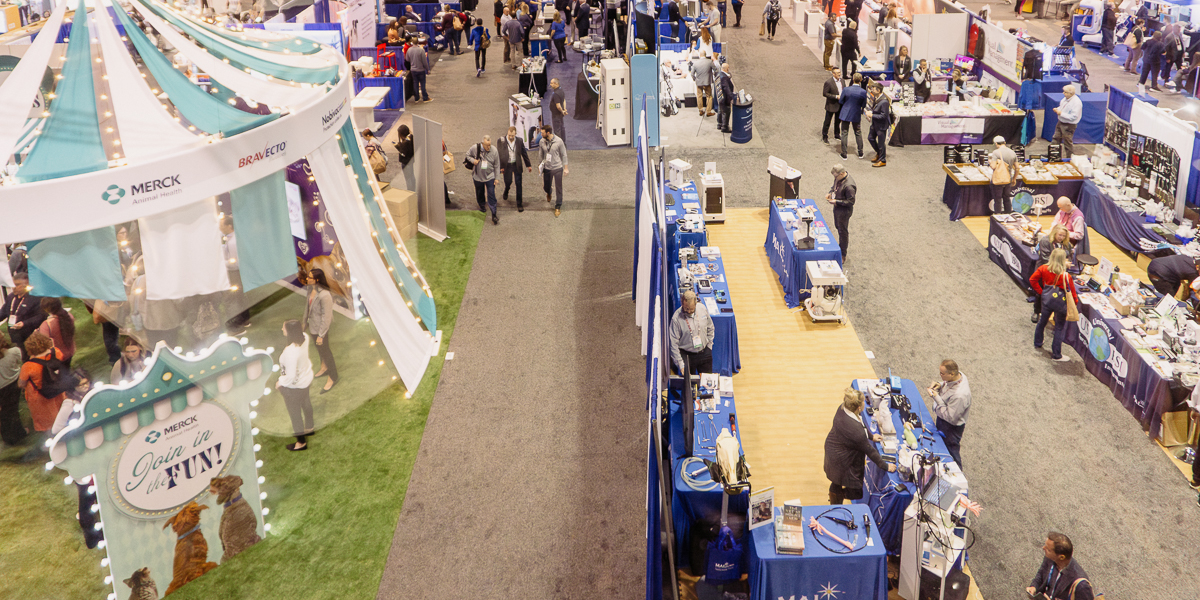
[788, 261]
[1122, 228]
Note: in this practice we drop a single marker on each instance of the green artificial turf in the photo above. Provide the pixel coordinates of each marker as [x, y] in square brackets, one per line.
[333, 508]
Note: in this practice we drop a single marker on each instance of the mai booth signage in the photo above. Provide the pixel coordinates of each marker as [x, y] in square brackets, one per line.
[171, 457]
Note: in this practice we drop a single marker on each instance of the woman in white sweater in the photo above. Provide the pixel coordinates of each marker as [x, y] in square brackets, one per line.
[295, 375]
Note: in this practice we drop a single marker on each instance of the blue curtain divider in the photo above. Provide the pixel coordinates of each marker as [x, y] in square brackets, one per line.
[1193, 191]
[264, 231]
[1120, 103]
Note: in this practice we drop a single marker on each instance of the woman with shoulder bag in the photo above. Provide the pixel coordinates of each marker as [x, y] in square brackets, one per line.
[1058, 238]
[375, 155]
[1134, 42]
[1051, 281]
[404, 145]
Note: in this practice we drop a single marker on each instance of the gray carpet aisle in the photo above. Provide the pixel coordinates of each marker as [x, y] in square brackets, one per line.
[530, 480]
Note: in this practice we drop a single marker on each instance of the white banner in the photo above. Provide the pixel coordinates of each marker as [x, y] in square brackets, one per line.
[132, 192]
[1001, 51]
[358, 23]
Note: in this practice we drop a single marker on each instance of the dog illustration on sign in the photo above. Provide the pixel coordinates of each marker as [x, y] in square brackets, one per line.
[239, 527]
[191, 549]
[141, 586]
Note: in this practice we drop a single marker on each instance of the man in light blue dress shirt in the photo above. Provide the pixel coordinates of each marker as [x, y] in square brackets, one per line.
[1069, 113]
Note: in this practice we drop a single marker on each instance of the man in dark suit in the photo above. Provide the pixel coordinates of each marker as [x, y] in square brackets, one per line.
[725, 101]
[853, 99]
[845, 448]
[850, 49]
[881, 118]
[512, 154]
[22, 311]
[833, 104]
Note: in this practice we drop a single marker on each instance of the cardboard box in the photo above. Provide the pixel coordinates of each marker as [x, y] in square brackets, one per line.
[1122, 309]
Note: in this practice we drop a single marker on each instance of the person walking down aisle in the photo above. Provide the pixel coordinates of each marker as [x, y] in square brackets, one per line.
[501, 21]
[59, 326]
[841, 196]
[737, 12]
[951, 397]
[514, 33]
[483, 158]
[42, 374]
[1050, 282]
[295, 377]
[1134, 43]
[1060, 577]
[724, 99]
[703, 72]
[1004, 166]
[846, 447]
[553, 165]
[479, 41]
[881, 119]
[318, 321]
[1152, 57]
[771, 13]
[832, 91]
[512, 154]
[583, 18]
[418, 65]
[1070, 111]
[850, 49]
[853, 99]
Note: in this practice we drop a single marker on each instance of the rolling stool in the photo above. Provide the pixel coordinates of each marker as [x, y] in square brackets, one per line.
[1087, 264]
[384, 59]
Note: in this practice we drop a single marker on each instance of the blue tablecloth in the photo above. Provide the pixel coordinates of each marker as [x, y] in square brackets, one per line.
[887, 505]
[689, 506]
[975, 200]
[818, 573]
[788, 261]
[1017, 259]
[727, 360]
[1144, 392]
[395, 97]
[1091, 125]
[675, 238]
[1102, 214]
[1054, 84]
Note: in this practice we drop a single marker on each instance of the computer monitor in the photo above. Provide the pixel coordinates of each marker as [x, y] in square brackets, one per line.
[964, 62]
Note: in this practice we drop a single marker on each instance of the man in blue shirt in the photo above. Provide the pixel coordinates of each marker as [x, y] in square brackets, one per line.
[1069, 113]
[853, 99]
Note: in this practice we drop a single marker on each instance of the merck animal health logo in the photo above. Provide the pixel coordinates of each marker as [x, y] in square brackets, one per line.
[144, 191]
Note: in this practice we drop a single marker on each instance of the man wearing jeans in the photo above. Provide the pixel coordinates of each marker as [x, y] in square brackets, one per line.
[418, 68]
[484, 160]
[1069, 113]
[1002, 192]
[554, 165]
[951, 397]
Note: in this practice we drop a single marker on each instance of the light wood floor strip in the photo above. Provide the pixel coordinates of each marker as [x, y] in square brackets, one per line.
[793, 372]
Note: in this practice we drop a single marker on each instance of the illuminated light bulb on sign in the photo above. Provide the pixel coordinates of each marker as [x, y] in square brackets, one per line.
[104, 562]
[262, 496]
[254, 403]
[98, 526]
[254, 431]
[102, 544]
[91, 489]
[258, 464]
[262, 480]
[265, 511]
[108, 580]
[67, 480]
[266, 391]
[253, 415]
[266, 526]
[257, 447]
[95, 508]
[49, 465]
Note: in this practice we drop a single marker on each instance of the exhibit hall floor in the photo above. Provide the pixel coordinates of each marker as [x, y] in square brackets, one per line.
[530, 478]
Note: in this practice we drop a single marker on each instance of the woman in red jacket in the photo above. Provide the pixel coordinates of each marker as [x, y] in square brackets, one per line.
[1053, 276]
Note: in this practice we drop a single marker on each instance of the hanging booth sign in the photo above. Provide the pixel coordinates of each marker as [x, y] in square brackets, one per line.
[171, 457]
[90, 200]
[1001, 51]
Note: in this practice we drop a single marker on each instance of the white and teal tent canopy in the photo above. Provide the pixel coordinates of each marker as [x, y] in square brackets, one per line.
[130, 134]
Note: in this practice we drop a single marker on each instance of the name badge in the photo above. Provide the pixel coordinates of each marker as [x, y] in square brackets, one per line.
[697, 341]
[483, 165]
[12, 320]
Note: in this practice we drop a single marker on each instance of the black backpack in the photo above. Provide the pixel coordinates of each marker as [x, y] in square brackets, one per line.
[467, 159]
[56, 378]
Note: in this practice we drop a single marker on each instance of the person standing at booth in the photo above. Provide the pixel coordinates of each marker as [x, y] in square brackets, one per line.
[1053, 276]
[702, 73]
[558, 107]
[1108, 29]
[833, 105]
[1071, 217]
[724, 99]
[1003, 162]
[881, 118]
[923, 79]
[1069, 112]
[295, 376]
[841, 196]
[854, 100]
[1134, 42]
[558, 33]
[512, 154]
[513, 34]
[1152, 57]
[418, 64]
[583, 18]
[22, 311]
[692, 333]
[829, 33]
[318, 321]
[850, 50]
[847, 446]
[902, 65]
[737, 12]
[951, 396]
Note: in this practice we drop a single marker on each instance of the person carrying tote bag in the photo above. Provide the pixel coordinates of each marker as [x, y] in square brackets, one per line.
[1052, 283]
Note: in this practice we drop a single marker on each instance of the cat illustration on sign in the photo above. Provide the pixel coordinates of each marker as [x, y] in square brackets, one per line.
[141, 586]
[239, 527]
[191, 549]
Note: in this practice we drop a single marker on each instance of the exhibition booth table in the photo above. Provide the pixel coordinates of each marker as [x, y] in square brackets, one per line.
[916, 130]
[677, 239]
[1123, 228]
[1006, 248]
[820, 572]
[1091, 125]
[1133, 374]
[973, 198]
[889, 494]
[690, 507]
[725, 356]
[394, 100]
[787, 260]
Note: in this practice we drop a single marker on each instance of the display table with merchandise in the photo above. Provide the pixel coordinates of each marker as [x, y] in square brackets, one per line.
[726, 359]
[968, 192]
[691, 508]
[1119, 220]
[953, 123]
[394, 100]
[683, 199]
[787, 260]
[820, 572]
[889, 494]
